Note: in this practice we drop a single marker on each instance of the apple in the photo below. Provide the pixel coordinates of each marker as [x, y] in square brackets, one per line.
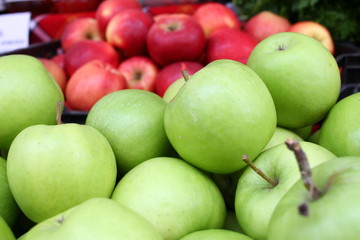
[315, 30]
[229, 43]
[127, 31]
[132, 121]
[53, 168]
[314, 137]
[79, 29]
[108, 8]
[29, 95]
[256, 199]
[174, 196]
[231, 222]
[174, 38]
[265, 24]
[171, 72]
[5, 231]
[280, 136]
[91, 82]
[140, 72]
[88, 50]
[173, 89]
[340, 131]
[213, 16]
[215, 234]
[298, 71]
[56, 71]
[303, 132]
[210, 122]
[96, 218]
[75, 6]
[58, 58]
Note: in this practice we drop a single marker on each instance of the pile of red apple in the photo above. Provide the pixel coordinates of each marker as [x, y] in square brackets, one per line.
[124, 46]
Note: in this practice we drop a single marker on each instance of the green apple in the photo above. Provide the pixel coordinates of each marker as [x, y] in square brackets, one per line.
[256, 199]
[340, 131]
[9, 209]
[53, 168]
[314, 137]
[174, 196]
[303, 132]
[173, 89]
[215, 234]
[133, 122]
[280, 136]
[221, 113]
[29, 95]
[94, 219]
[334, 215]
[303, 77]
[5, 231]
[231, 222]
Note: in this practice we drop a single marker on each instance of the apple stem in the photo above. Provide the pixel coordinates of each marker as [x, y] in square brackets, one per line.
[58, 112]
[185, 74]
[246, 159]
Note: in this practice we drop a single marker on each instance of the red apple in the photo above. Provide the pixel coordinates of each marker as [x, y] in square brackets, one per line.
[56, 71]
[127, 31]
[87, 50]
[59, 59]
[79, 29]
[170, 73]
[108, 8]
[174, 38]
[228, 43]
[212, 16]
[91, 82]
[315, 30]
[266, 23]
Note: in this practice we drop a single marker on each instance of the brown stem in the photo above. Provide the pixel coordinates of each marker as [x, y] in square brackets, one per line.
[246, 159]
[58, 112]
[185, 74]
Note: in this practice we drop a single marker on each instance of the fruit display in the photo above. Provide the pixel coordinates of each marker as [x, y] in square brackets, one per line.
[190, 124]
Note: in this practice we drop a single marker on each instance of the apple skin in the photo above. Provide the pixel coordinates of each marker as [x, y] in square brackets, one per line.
[22, 78]
[140, 72]
[56, 71]
[340, 131]
[215, 234]
[87, 50]
[216, 142]
[53, 168]
[315, 30]
[80, 29]
[256, 199]
[132, 121]
[338, 179]
[174, 38]
[173, 89]
[59, 59]
[265, 24]
[176, 204]
[96, 218]
[5, 231]
[171, 72]
[229, 43]
[213, 16]
[91, 82]
[127, 31]
[298, 71]
[280, 136]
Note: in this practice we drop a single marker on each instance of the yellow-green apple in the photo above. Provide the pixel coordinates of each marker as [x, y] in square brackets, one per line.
[265, 24]
[87, 50]
[256, 198]
[140, 72]
[227, 43]
[5, 231]
[315, 30]
[211, 120]
[29, 95]
[173, 195]
[213, 16]
[91, 82]
[79, 29]
[175, 37]
[127, 32]
[173, 89]
[340, 131]
[215, 234]
[132, 121]
[298, 71]
[280, 136]
[56, 71]
[96, 218]
[53, 168]
[171, 72]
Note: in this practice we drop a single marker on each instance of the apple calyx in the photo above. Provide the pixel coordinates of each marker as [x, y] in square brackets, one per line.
[58, 112]
[246, 159]
[306, 175]
[185, 75]
[61, 219]
[281, 48]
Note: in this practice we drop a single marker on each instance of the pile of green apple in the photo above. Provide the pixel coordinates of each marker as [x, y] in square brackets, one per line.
[221, 158]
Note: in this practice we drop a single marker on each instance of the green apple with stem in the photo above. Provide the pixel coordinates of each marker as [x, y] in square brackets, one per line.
[323, 204]
[223, 111]
[257, 197]
[340, 131]
[5, 231]
[302, 76]
[174, 88]
[96, 218]
[215, 234]
[280, 136]
[29, 95]
[173, 195]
